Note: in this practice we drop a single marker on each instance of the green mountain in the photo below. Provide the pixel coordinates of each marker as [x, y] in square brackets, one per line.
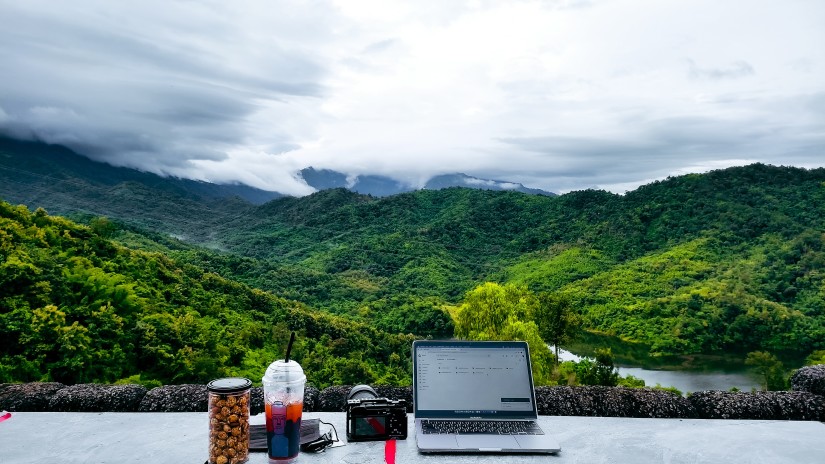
[728, 261]
[63, 182]
[76, 307]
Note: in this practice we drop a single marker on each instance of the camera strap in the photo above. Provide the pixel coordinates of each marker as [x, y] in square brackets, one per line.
[389, 451]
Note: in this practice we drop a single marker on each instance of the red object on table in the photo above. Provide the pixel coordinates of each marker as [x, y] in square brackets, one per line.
[389, 451]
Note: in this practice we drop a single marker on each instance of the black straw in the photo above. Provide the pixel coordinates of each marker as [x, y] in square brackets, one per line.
[289, 347]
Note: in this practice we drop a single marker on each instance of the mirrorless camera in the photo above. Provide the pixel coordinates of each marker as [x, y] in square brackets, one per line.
[370, 418]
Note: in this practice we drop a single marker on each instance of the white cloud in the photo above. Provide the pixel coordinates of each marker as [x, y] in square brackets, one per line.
[557, 95]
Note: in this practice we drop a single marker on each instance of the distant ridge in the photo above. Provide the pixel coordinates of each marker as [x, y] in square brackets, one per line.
[382, 186]
[463, 180]
[32, 171]
[40, 167]
[323, 179]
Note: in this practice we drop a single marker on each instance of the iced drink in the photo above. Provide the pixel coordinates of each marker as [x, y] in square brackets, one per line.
[284, 401]
[283, 430]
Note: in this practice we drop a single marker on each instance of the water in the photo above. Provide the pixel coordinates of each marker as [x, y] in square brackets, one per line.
[686, 380]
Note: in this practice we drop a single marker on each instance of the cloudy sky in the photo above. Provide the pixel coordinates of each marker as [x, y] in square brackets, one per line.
[556, 94]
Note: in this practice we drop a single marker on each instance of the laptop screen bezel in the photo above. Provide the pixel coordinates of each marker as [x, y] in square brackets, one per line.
[447, 414]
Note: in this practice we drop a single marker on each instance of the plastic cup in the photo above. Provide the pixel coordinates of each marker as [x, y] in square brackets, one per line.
[284, 402]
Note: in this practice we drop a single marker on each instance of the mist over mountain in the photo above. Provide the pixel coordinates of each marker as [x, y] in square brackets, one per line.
[35, 168]
[652, 92]
[382, 186]
[37, 172]
[463, 180]
[322, 179]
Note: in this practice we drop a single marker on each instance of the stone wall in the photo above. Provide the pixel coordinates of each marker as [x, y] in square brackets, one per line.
[805, 401]
[809, 379]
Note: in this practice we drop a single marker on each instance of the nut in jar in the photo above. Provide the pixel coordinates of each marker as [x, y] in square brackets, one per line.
[229, 420]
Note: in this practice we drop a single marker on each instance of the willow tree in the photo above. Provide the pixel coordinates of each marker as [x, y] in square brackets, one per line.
[505, 312]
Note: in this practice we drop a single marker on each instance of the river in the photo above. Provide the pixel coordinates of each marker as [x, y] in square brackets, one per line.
[686, 373]
[686, 381]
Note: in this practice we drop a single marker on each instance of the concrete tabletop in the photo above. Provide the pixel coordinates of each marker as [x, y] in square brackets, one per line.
[46, 437]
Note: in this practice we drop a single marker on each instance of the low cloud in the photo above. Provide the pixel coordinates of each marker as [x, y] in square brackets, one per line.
[734, 70]
[558, 95]
[156, 86]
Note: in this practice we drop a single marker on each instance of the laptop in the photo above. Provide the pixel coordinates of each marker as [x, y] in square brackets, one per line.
[476, 397]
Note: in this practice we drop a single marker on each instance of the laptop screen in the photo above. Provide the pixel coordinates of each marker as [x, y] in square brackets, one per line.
[464, 379]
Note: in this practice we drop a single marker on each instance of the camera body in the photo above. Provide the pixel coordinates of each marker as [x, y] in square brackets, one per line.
[370, 418]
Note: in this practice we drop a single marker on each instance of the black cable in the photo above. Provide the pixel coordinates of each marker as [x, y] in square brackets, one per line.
[323, 442]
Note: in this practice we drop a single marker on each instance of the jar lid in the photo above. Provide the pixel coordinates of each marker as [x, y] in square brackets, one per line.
[229, 385]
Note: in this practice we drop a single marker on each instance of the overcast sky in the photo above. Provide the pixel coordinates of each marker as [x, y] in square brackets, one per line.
[560, 95]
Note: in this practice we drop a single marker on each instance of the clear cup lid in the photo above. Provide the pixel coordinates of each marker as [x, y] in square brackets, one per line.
[282, 371]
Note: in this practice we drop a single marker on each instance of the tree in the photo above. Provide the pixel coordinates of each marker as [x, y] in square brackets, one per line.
[770, 368]
[487, 307]
[600, 372]
[103, 226]
[817, 357]
[557, 322]
[353, 371]
[505, 312]
[542, 358]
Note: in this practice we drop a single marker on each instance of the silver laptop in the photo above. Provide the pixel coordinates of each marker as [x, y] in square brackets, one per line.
[472, 396]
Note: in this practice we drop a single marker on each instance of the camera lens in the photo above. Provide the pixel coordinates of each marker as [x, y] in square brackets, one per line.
[361, 392]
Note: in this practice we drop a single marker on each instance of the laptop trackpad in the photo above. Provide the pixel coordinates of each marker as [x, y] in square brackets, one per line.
[487, 442]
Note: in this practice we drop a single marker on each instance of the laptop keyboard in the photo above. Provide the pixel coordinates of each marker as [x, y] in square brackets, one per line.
[486, 427]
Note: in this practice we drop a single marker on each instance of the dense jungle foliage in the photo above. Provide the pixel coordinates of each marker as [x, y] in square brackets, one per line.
[75, 307]
[729, 261]
[725, 262]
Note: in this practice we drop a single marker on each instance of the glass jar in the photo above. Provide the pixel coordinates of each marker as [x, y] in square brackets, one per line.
[229, 400]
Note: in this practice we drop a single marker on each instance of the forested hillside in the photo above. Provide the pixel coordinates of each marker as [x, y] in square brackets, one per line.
[65, 183]
[75, 307]
[730, 261]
